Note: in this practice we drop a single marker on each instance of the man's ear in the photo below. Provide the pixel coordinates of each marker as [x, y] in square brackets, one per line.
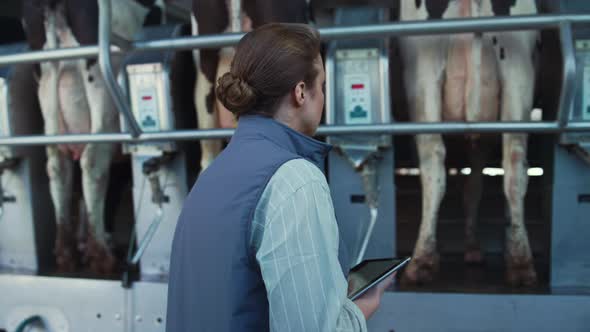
[299, 94]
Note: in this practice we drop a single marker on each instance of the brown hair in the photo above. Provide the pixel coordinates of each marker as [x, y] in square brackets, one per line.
[268, 63]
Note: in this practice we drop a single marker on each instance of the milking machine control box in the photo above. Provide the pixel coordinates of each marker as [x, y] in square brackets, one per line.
[581, 110]
[581, 40]
[145, 78]
[584, 108]
[150, 103]
[5, 123]
[358, 90]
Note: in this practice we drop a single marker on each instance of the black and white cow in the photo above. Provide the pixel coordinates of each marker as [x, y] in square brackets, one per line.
[469, 77]
[74, 100]
[219, 16]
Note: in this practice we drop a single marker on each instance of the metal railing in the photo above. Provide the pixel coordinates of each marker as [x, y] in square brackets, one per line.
[410, 28]
[405, 128]
[106, 67]
[407, 28]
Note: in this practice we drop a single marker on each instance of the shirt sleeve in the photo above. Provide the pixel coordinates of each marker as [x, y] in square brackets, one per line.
[297, 250]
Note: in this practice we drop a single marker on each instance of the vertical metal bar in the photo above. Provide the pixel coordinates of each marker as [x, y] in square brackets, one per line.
[568, 85]
[106, 67]
[330, 82]
[235, 8]
[149, 235]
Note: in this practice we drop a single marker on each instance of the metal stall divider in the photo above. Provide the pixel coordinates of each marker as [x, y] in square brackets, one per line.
[160, 179]
[26, 225]
[360, 168]
[570, 230]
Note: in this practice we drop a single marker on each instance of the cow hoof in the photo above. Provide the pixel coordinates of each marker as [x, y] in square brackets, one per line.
[473, 255]
[421, 270]
[65, 261]
[65, 249]
[521, 272]
[100, 258]
[105, 266]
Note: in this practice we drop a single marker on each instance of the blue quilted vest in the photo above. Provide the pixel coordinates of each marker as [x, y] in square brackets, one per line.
[215, 283]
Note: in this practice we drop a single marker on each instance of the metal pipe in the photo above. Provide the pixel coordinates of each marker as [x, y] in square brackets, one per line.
[149, 235]
[370, 182]
[373, 212]
[448, 26]
[106, 67]
[83, 52]
[407, 28]
[235, 15]
[186, 135]
[407, 128]
[568, 85]
[577, 126]
[65, 139]
[185, 43]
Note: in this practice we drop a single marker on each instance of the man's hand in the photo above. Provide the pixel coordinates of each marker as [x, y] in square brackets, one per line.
[369, 302]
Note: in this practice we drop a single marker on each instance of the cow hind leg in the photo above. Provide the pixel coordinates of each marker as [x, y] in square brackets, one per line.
[425, 259]
[59, 170]
[471, 200]
[95, 163]
[517, 98]
[519, 260]
[431, 152]
[520, 269]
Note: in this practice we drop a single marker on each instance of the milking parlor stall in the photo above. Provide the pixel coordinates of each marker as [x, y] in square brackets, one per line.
[461, 134]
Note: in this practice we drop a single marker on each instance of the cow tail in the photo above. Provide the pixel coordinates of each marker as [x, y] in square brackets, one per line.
[53, 66]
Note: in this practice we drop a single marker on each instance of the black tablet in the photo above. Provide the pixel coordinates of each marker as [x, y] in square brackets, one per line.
[370, 272]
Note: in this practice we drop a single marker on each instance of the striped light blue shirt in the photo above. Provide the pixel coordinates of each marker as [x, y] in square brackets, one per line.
[295, 237]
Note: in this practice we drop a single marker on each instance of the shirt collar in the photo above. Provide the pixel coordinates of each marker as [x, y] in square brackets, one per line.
[284, 136]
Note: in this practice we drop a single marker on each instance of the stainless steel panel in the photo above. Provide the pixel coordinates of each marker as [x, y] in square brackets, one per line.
[426, 312]
[66, 304]
[149, 307]
[570, 227]
[26, 214]
[579, 108]
[18, 249]
[155, 261]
